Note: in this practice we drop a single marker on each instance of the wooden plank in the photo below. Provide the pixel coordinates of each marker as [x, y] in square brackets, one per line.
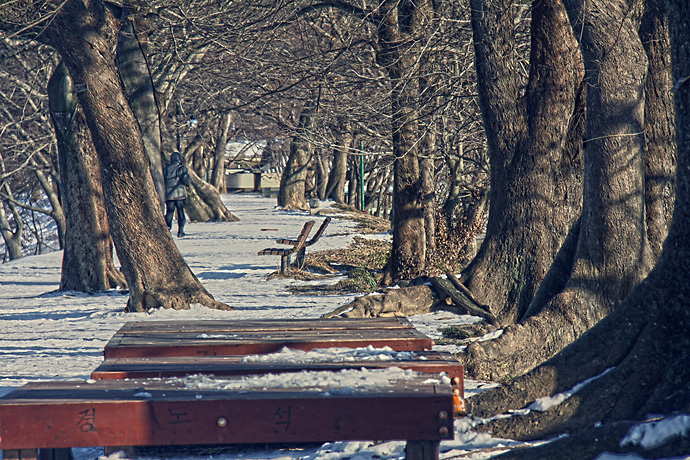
[429, 362]
[225, 326]
[158, 412]
[247, 342]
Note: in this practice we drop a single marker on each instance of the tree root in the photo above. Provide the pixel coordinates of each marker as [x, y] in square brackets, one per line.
[638, 345]
[589, 444]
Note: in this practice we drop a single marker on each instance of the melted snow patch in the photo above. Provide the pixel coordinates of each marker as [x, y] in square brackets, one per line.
[547, 402]
[331, 355]
[655, 433]
[217, 336]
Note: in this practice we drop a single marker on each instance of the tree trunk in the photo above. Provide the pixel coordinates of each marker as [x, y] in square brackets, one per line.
[534, 146]
[643, 344]
[292, 183]
[84, 32]
[401, 27]
[87, 260]
[612, 254]
[321, 166]
[204, 203]
[659, 125]
[218, 175]
[136, 78]
[13, 238]
[430, 206]
[57, 212]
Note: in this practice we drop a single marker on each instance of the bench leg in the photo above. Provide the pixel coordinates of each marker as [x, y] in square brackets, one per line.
[55, 454]
[299, 258]
[20, 454]
[422, 450]
[285, 264]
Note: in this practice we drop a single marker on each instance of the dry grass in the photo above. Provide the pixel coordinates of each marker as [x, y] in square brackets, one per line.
[363, 253]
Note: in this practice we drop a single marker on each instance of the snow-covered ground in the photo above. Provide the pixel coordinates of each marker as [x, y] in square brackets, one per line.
[49, 335]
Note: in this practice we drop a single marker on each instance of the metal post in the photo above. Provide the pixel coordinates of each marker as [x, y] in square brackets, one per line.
[361, 173]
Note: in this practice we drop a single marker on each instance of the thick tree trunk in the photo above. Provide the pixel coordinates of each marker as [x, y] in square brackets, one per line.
[612, 254]
[292, 183]
[400, 30]
[85, 32]
[430, 206]
[204, 203]
[87, 260]
[535, 152]
[643, 344]
[136, 78]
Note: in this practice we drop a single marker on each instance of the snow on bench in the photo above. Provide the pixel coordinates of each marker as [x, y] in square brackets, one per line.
[286, 360]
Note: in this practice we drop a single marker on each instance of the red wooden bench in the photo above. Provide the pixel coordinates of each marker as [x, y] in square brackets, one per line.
[228, 338]
[43, 420]
[285, 253]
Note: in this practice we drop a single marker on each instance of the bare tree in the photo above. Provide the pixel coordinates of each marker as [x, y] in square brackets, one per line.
[638, 352]
[155, 271]
[87, 261]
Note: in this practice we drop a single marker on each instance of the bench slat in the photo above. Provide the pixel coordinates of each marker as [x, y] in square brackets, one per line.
[251, 343]
[264, 325]
[154, 412]
[429, 362]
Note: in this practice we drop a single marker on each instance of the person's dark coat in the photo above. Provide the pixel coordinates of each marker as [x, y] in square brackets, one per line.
[176, 179]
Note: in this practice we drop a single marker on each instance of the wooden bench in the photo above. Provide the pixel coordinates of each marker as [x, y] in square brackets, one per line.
[301, 254]
[149, 339]
[285, 253]
[43, 420]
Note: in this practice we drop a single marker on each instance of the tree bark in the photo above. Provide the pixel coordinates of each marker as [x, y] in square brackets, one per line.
[643, 344]
[292, 183]
[13, 238]
[204, 203]
[534, 146]
[430, 207]
[320, 161]
[400, 30]
[57, 212]
[87, 260]
[136, 78]
[85, 32]
[612, 254]
[659, 125]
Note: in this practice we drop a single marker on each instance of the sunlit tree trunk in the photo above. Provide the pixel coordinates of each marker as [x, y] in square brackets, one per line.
[84, 32]
[292, 182]
[87, 260]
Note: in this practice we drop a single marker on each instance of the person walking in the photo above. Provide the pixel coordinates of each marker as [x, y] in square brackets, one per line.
[176, 182]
